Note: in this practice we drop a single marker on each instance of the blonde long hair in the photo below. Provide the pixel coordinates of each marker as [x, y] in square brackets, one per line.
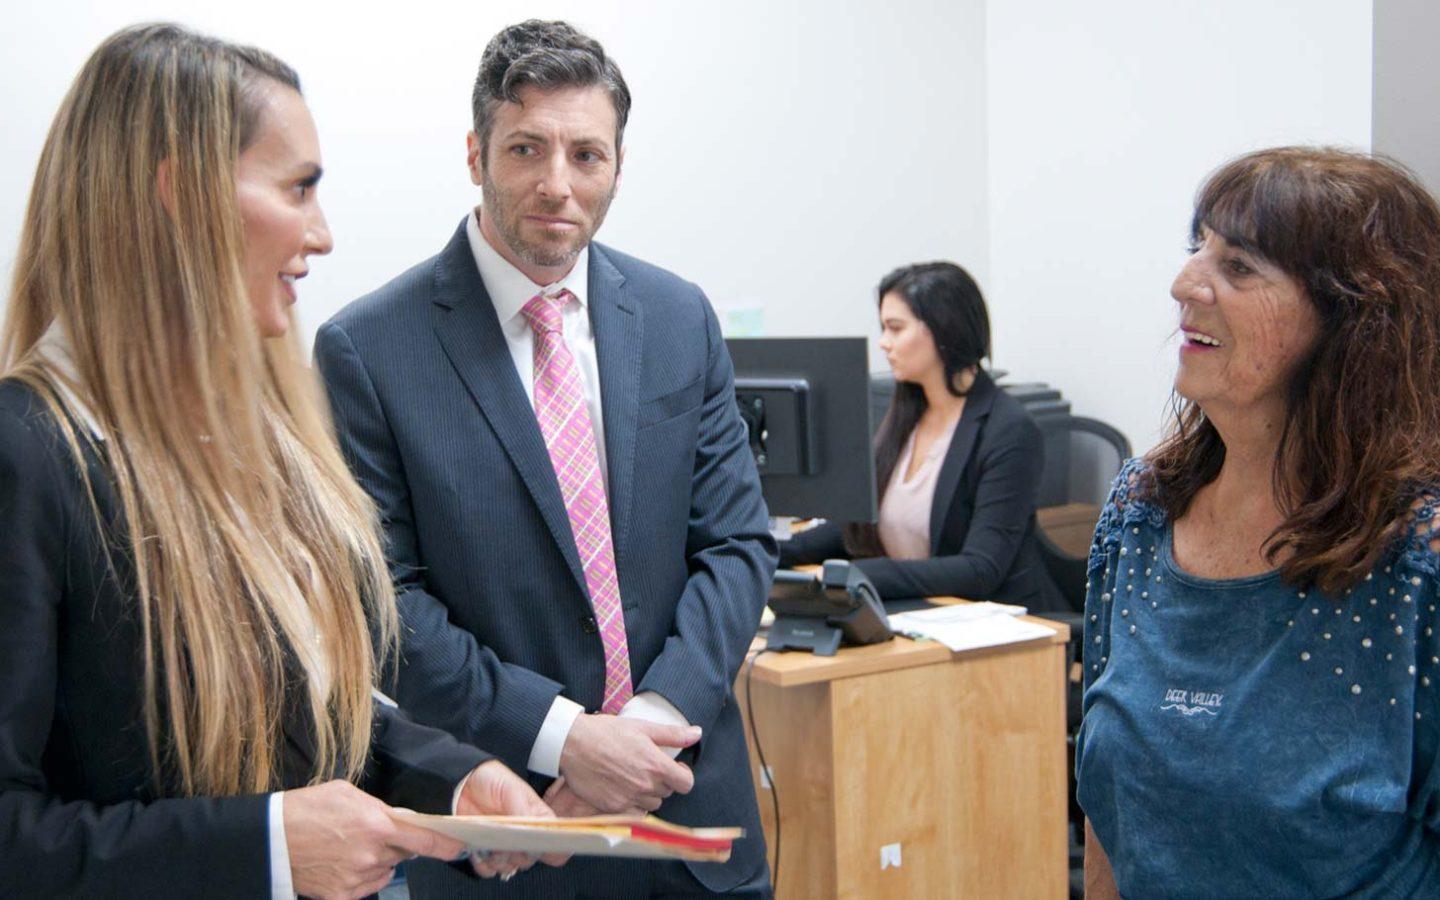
[251, 542]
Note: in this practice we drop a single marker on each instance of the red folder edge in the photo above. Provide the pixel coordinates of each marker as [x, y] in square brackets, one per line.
[658, 836]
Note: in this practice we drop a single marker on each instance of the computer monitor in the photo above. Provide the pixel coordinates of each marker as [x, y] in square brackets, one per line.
[806, 402]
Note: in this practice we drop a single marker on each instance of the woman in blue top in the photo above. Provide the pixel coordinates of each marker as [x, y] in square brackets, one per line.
[1262, 665]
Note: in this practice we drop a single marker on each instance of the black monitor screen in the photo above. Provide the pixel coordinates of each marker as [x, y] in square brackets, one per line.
[806, 402]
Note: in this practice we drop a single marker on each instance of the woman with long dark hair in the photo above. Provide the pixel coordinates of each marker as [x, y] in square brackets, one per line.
[1262, 669]
[957, 460]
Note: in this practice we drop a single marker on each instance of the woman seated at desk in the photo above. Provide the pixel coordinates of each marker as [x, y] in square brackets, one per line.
[957, 460]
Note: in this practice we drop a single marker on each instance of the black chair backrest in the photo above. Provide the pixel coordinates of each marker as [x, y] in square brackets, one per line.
[1082, 457]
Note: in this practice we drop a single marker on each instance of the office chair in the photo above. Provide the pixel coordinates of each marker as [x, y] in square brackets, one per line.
[1082, 458]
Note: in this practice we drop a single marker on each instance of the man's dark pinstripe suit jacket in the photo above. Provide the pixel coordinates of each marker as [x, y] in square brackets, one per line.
[438, 429]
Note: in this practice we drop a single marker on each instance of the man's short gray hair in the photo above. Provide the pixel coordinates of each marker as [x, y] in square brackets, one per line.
[546, 55]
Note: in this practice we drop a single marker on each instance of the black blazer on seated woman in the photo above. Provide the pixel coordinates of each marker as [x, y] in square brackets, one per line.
[982, 520]
[79, 815]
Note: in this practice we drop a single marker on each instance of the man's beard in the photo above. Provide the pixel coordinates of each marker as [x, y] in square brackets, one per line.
[506, 218]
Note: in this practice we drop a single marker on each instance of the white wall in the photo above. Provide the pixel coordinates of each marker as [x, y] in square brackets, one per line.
[784, 156]
[1103, 120]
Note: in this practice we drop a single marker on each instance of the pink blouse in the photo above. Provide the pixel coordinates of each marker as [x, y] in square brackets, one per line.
[904, 524]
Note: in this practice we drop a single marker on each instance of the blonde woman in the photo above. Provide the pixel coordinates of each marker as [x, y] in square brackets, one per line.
[188, 576]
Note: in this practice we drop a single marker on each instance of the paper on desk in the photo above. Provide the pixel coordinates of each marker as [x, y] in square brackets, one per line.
[969, 626]
[958, 612]
[631, 836]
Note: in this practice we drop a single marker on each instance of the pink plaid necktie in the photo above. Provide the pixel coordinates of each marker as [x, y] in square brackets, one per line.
[570, 439]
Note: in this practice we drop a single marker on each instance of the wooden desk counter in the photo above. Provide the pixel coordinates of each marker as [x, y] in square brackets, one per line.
[955, 761]
[790, 669]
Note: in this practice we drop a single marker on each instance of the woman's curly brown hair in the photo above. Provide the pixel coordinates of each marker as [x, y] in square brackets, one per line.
[1362, 425]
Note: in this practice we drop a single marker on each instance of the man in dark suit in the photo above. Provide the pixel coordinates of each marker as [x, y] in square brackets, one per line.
[549, 429]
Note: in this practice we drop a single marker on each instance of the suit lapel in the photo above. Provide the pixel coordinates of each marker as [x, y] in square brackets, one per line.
[470, 332]
[967, 430]
[617, 324]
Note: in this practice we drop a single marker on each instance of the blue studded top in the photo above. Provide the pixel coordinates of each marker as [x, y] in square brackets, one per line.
[1242, 738]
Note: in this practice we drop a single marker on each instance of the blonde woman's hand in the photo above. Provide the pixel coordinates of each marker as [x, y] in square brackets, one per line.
[344, 844]
[493, 790]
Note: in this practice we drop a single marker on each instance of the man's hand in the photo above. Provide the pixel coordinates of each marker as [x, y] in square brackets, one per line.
[491, 790]
[616, 764]
[568, 805]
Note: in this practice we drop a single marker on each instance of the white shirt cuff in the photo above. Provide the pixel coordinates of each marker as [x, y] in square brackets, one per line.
[281, 887]
[545, 755]
[652, 707]
[455, 797]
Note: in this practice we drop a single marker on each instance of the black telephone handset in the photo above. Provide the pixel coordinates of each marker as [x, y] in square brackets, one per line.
[818, 612]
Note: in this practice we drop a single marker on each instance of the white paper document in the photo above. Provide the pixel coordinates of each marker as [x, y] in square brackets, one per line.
[962, 612]
[969, 626]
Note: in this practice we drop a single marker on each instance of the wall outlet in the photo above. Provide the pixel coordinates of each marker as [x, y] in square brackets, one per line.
[889, 857]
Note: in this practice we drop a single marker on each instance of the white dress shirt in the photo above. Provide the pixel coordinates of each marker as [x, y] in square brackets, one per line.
[509, 290]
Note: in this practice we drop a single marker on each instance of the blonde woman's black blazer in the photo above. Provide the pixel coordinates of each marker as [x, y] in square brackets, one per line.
[80, 815]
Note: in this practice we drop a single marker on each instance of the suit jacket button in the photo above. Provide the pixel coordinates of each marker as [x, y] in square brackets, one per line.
[589, 625]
